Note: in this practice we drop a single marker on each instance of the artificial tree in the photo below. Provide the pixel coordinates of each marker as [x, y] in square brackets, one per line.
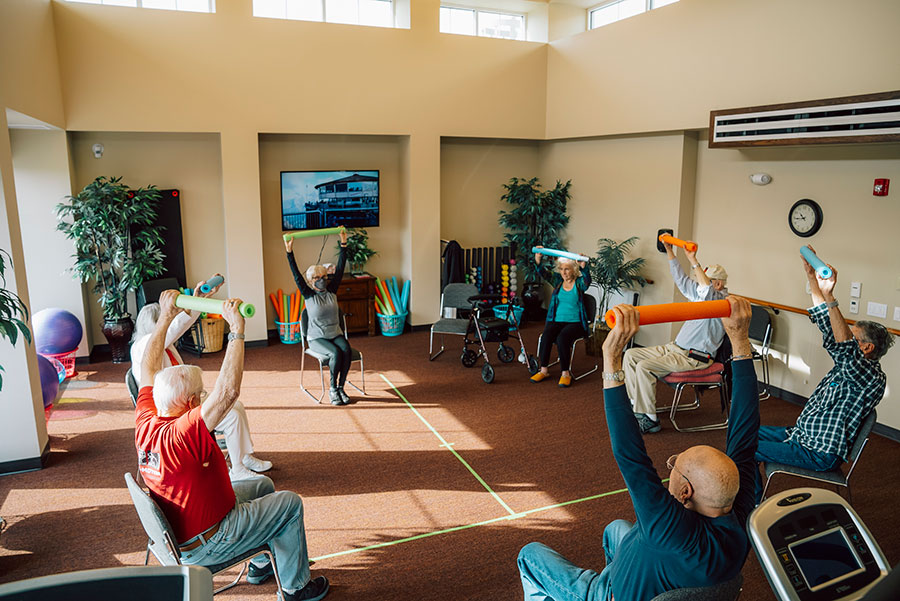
[117, 244]
[13, 312]
[358, 251]
[612, 272]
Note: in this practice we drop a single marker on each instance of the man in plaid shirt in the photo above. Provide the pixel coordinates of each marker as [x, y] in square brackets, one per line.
[828, 424]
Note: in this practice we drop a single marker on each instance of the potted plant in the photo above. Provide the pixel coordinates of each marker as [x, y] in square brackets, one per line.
[358, 251]
[117, 245]
[537, 218]
[612, 273]
[13, 312]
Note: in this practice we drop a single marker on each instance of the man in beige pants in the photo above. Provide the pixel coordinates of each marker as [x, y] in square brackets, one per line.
[694, 347]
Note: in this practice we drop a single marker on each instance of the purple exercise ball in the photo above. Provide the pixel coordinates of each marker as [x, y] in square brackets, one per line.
[56, 331]
[49, 380]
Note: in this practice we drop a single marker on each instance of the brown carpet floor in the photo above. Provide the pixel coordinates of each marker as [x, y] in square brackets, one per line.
[393, 508]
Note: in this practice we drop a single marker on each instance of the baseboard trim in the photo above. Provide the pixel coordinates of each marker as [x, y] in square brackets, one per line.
[25, 465]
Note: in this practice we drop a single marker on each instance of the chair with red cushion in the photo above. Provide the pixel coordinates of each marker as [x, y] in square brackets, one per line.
[702, 379]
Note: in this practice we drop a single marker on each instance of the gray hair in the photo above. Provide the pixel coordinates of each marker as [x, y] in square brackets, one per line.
[311, 272]
[146, 321]
[878, 335]
[563, 261]
[173, 387]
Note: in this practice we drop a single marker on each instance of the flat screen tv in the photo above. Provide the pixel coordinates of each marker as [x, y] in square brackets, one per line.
[312, 200]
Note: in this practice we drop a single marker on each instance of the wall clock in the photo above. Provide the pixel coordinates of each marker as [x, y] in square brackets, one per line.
[805, 217]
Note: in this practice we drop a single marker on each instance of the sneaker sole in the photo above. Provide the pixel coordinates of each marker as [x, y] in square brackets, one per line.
[259, 579]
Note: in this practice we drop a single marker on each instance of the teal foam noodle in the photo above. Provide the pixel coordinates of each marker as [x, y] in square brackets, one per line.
[404, 297]
[823, 270]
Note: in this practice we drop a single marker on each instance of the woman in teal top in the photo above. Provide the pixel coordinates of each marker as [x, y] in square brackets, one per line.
[567, 318]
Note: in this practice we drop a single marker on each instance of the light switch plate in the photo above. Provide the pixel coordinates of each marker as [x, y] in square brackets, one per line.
[855, 289]
[854, 305]
[896, 313]
[876, 309]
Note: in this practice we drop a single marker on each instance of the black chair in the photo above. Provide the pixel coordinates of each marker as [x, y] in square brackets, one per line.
[761, 334]
[590, 307]
[729, 590]
[132, 386]
[835, 476]
[355, 355]
[456, 297]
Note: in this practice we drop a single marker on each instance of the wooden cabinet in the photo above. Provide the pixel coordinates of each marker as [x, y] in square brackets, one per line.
[356, 297]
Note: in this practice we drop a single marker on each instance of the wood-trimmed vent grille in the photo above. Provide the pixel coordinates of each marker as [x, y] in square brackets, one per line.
[851, 119]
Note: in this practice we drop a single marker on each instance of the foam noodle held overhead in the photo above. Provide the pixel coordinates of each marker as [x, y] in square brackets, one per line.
[313, 233]
[558, 253]
[822, 270]
[685, 244]
[211, 283]
[649, 314]
[210, 305]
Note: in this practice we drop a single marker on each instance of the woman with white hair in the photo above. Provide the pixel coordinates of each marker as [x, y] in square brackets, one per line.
[234, 425]
[324, 333]
[567, 318]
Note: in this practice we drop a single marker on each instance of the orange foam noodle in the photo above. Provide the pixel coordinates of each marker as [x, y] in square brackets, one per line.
[669, 312]
[685, 244]
[276, 305]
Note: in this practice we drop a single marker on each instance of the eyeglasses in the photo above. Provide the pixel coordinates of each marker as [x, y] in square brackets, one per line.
[670, 463]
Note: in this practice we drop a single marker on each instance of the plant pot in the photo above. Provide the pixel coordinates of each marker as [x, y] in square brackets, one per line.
[531, 299]
[593, 344]
[357, 268]
[118, 333]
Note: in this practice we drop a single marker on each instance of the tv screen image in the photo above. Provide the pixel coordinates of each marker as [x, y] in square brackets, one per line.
[312, 200]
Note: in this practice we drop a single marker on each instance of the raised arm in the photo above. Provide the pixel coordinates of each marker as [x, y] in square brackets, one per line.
[335, 283]
[228, 384]
[304, 288]
[156, 344]
[697, 269]
[822, 291]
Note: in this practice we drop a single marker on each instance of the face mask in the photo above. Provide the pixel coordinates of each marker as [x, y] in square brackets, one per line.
[320, 284]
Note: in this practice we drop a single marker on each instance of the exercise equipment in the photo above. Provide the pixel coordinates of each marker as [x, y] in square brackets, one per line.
[812, 545]
[211, 283]
[559, 253]
[210, 305]
[49, 380]
[313, 233]
[822, 270]
[56, 331]
[685, 244]
[650, 314]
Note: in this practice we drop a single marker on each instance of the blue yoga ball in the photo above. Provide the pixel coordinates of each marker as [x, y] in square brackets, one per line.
[49, 381]
[56, 331]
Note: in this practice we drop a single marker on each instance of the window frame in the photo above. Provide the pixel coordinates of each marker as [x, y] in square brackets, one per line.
[210, 4]
[478, 10]
[648, 6]
[324, 4]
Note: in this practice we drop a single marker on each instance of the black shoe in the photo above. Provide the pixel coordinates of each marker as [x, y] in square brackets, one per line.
[335, 397]
[257, 575]
[344, 396]
[314, 590]
[648, 426]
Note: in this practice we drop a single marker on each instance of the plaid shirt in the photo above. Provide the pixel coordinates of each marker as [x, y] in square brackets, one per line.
[854, 386]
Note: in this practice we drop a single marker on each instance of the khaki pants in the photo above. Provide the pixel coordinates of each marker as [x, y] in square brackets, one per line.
[642, 365]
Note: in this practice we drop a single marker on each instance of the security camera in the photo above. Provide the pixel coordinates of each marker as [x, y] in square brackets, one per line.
[98, 150]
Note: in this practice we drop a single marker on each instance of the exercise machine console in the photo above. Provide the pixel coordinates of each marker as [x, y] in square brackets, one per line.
[813, 546]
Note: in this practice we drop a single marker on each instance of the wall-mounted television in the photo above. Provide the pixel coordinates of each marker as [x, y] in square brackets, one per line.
[312, 200]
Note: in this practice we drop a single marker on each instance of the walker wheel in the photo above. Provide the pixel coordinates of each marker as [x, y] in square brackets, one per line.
[468, 358]
[487, 373]
[506, 353]
[533, 366]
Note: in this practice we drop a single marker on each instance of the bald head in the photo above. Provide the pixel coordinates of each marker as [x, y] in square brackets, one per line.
[712, 477]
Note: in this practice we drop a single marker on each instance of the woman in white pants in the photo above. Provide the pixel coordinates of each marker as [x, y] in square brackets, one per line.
[234, 425]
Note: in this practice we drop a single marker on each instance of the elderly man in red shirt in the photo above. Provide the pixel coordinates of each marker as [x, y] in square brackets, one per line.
[213, 518]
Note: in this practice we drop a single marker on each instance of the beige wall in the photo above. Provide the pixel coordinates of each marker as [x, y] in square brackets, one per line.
[666, 69]
[473, 172]
[189, 162]
[279, 153]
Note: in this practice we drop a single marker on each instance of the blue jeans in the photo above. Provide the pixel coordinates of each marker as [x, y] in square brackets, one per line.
[772, 447]
[548, 576]
[260, 516]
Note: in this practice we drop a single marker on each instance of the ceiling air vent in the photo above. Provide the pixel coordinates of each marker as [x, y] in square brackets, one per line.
[868, 118]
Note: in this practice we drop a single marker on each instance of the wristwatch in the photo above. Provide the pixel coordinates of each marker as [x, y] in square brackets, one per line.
[234, 336]
[616, 376]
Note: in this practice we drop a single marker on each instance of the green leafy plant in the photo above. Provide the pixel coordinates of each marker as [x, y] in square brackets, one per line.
[610, 269]
[116, 242]
[537, 218]
[358, 251]
[13, 312]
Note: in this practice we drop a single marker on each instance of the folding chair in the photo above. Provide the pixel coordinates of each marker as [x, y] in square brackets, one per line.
[761, 334]
[590, 306]
[355, 355]
[835, 476]
[454, 296]
[132, 385]
[164, 546]
[729, 590]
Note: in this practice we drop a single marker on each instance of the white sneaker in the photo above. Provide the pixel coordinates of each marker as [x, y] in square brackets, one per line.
[257, 465]
[239, 472]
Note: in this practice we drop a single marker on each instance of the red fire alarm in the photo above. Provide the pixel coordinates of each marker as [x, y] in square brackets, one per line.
[881, 187]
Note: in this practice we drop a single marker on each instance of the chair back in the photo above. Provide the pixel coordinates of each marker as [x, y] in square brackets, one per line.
[724, 591]
[457, 296]
[132, 386]
[761, 326]
[590, 308]
[862, 437]
[304, 327]
[163, 543]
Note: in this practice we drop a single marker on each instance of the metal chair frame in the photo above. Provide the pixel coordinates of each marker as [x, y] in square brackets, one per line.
[304, 343]
[761, 334]
[165, 549]
[591, 308]
[835, 476]
[698, 387]
[455, 296]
